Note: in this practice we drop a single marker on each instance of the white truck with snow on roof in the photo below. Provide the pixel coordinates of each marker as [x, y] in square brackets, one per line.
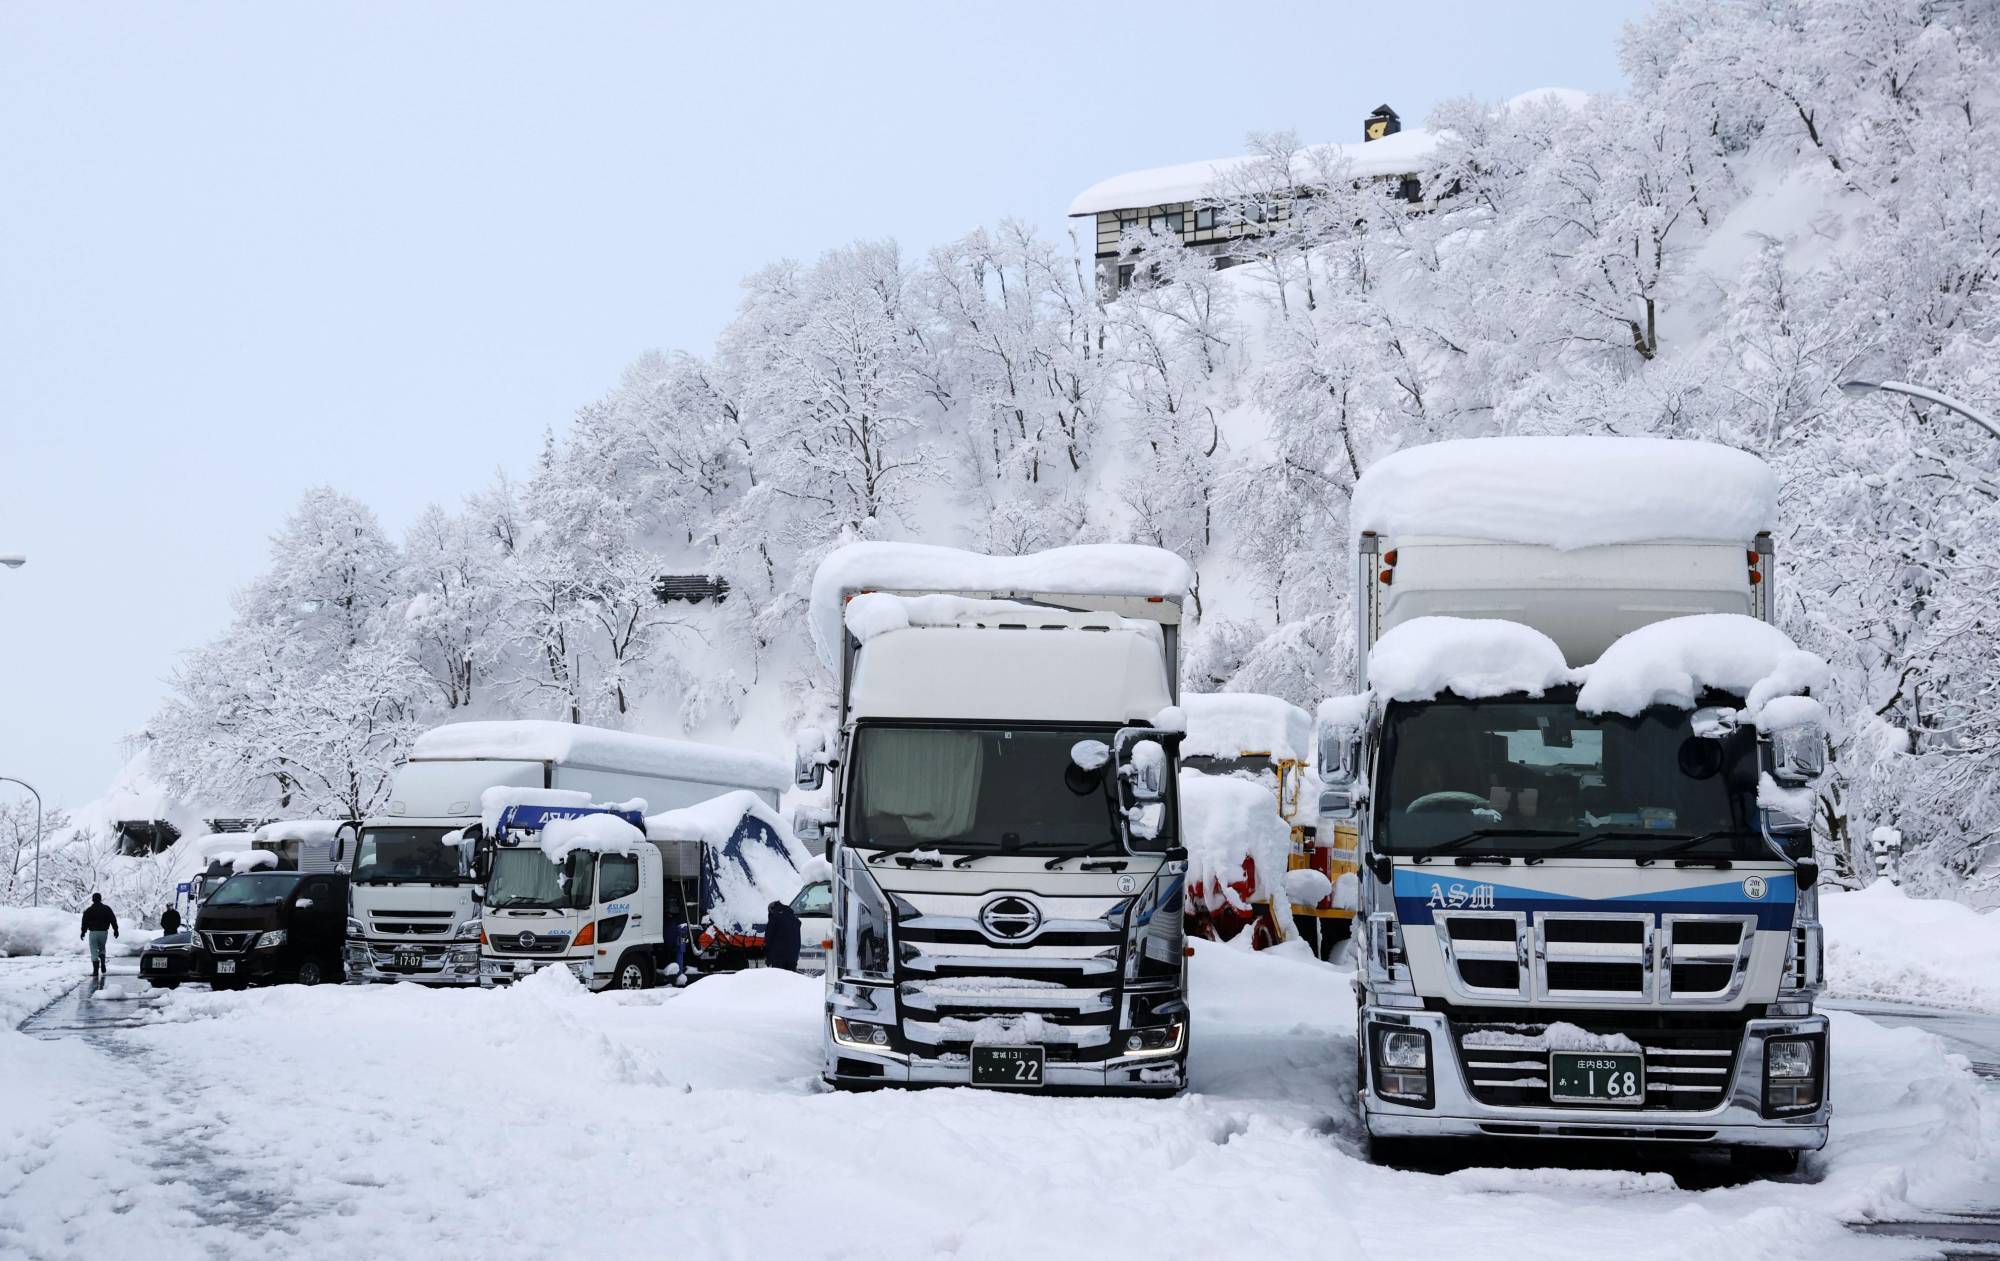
[624, 900]
[415, 909]
[1579, 758]
[1007, 883]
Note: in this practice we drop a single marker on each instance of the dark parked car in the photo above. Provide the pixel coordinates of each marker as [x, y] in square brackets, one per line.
[169, 960]
[273, 926]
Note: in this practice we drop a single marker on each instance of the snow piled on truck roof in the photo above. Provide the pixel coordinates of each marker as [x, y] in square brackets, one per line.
[1240, 724]
[536, 740]
[1673, 661]
[1568, 492]
[1472, 657]
[1087, 569]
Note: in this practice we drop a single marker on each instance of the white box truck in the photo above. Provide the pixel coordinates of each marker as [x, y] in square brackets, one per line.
[1007, 875]
[414, 908]
[1579, 760]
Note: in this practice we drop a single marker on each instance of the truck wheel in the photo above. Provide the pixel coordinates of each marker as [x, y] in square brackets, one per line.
[311, 972]
[633, 974]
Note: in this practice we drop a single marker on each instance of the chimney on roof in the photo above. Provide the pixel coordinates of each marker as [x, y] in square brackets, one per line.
[1383, 122]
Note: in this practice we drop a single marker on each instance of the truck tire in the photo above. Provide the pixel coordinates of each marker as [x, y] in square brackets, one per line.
[312, 972]
[634, 973]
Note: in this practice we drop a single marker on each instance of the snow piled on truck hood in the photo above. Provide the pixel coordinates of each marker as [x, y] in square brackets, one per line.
[1568, 492]
[1671, 662]
[1472, 657]
[1129, 569]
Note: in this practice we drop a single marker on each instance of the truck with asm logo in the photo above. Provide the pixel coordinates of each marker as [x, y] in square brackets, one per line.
[415, 905]
[1007, 873]
[1580, 759]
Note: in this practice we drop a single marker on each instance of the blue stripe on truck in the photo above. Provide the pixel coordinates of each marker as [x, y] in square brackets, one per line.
[1420, 895]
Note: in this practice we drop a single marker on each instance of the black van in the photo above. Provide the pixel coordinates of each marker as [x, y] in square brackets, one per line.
[273, 926]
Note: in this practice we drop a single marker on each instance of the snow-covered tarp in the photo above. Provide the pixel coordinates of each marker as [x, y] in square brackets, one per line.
[534, 740]
[1404, 153]
[749, 857]
[1568, 492]
[1101, 569]
[1472, 657]
[1671, 662]
[1225, 820]
[1243, 724]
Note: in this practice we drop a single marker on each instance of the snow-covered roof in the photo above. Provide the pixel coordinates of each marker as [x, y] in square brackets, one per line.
[1671, 662]
[304, 831]
[1568, 492]
[1097, 569]
[1472, 657]
[596, 833]
[574, 745]
[1242, 724]
[1401, 154]
[1011, 675]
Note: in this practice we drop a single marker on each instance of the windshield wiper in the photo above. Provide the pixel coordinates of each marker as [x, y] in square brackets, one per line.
[1102, 847]
[523, 900]
[1687, 842]
[1480, 834]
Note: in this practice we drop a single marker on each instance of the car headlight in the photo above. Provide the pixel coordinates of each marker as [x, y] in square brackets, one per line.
[354, 929]
[265, 941]
[867, 930]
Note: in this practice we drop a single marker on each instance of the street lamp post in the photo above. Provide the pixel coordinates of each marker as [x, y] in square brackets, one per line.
[9, 779]
[1862, 389]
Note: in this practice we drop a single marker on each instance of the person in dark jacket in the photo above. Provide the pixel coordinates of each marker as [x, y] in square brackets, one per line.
[781, 937]
[170, 921]
[99, 921]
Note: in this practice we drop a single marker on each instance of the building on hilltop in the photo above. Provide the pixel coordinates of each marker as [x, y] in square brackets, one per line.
[1188, 200]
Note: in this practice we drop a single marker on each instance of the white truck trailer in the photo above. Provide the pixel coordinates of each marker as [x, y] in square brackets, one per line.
[1008, 879]
[415, 909]
[1588, 905]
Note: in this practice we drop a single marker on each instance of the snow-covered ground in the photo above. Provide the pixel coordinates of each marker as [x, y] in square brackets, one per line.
[1882, 944]
[545, 1121]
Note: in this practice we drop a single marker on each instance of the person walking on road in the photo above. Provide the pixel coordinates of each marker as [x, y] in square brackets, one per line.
[99, 921]
[170, 921]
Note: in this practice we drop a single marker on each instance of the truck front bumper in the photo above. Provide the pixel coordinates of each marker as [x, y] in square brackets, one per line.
[1739, 1120]
[505, 970]
[850, 1065]
[448, 963]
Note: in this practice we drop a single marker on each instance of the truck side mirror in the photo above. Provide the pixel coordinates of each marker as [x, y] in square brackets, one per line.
[1141, 753]
[1339, 753]
[1338, 803]
[809, 758]
[1798, 754]
[344, 837]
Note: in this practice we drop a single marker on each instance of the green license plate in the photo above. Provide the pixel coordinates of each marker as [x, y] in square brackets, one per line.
[1596, 1077]
[1007, 1066]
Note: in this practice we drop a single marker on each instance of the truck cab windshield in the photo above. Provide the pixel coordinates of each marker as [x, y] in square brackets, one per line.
[980, 790]
[1531, 778]
[387, 855]
[526, 878]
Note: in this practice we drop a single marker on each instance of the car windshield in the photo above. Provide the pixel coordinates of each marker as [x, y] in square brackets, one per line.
[1532, 778]
[980, 790]
[256, 888]
[815, 899]
[526, 877]
[398, 853]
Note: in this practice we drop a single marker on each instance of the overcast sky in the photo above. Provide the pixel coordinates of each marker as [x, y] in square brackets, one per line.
[249, 248]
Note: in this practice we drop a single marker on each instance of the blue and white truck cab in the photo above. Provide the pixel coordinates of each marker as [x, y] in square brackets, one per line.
[1581, 776]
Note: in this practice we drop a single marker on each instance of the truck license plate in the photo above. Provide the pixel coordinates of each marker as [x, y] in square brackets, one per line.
[409, 958]
[225, 966]
[1597, 1077]
[1006, 1066]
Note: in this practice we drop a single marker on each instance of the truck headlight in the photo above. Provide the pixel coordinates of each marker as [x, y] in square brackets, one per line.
[270, 940]
[1402, 1064]
[854, 1033]
[354, 930]
[1165, 1040]
[1794, 1074]
[467, 930]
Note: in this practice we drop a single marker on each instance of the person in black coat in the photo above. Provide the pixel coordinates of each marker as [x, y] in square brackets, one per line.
[99, 921]
[781, 937]
[170, 921]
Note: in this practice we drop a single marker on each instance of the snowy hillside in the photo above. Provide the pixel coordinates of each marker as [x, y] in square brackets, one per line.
[1771, 208]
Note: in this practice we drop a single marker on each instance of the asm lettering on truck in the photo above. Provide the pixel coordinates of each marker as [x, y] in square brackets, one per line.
[1420, 895]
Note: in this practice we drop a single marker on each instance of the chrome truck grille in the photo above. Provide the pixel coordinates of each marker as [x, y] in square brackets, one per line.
[1596, 957]
[977, 977]
[1690, 1061]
